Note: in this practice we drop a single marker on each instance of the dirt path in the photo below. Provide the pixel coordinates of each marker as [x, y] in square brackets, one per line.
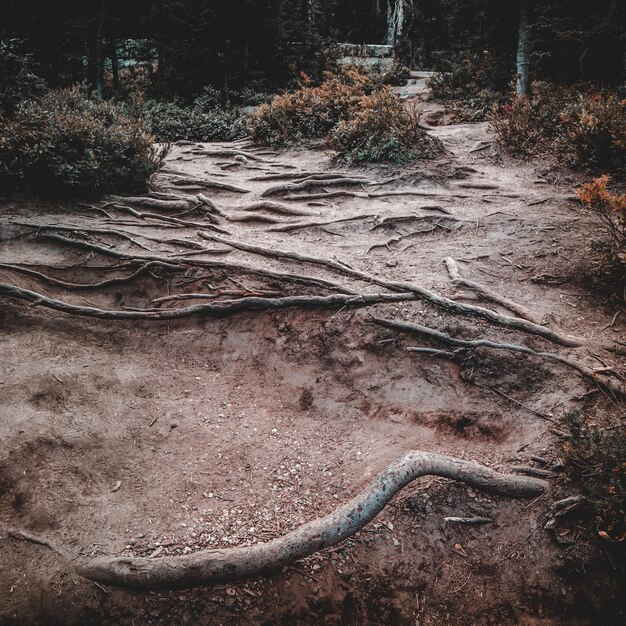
[166, 437]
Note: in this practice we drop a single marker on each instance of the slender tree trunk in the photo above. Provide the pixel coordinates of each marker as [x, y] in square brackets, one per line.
[98, 50]
[523, 61]
[115, 68]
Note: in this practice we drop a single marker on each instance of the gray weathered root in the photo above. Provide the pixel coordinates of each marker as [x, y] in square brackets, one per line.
[313, 183]
[215, 566]
[506, 321]
[224, 308]
[615, 387]
[488, 294]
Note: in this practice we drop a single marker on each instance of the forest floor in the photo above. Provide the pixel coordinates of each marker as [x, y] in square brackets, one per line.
[165, 437]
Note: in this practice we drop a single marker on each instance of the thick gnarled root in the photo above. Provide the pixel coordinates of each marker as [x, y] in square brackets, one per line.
[214, 566]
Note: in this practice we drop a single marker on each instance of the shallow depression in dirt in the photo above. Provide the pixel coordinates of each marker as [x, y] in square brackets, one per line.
[164, 430]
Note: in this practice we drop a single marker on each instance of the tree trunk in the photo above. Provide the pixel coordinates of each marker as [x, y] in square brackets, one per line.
[98, 50]
[523, 61]
[115, 68]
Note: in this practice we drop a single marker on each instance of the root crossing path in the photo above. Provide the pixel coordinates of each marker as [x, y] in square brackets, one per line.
[195, 374]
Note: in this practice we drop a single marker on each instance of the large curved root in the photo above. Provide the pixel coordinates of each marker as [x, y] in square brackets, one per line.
[213, 566]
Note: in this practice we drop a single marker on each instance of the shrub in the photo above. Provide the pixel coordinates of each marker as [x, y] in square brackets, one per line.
[383, 129]
[310, 112]
[352, 112]
[471, 84]
[171, 121]
[17, 82]
[596, 461]
[584, 130]
[611, 208]
[397, 76]
[212, 116]
[67, 140]
[530, 126]
[593, 132]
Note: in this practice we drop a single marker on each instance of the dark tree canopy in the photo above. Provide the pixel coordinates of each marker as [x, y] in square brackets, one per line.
[188, 44]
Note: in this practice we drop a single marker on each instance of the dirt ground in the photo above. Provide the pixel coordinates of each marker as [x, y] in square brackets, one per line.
[156, 438]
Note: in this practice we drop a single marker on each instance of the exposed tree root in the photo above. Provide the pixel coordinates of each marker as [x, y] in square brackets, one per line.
[169, 219]
[298, 176]
[313, 184]
[488, 294]
[255, 217]
[214, 566]
[392, 220]
[611, 385]
[21, 535]
[193, 262]
[154, 203]
[457, 307]
[399, 238]
[216, 293]
[316, 224]
[374, 194]
[228, 153]
[211, 206]
[184, 181]
[227, 307]
[85, 230]
[104, 283]
[275, 207]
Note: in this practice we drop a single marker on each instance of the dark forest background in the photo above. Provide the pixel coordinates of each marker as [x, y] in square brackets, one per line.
[185, 45]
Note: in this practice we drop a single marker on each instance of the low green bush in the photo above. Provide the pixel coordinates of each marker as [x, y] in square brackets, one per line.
[171, 121]
[68, 140]
[213, 116]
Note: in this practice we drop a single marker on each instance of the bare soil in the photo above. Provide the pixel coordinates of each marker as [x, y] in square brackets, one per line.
[163, 438]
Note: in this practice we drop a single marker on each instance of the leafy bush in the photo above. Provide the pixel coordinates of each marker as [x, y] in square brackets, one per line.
[212, 116]
[171, 121]
[593, 132]
[585, 130]
[611, 208]
[596, 460]
[17, 82]
[310, 112]
[351, 111]
[471, 84]
[530, 126]
[397, 76]
[67, 140]
[383, 128]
